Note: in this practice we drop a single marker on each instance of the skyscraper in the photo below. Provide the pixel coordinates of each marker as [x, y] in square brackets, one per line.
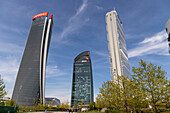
[168, 32]
[30, 82]
[82, 83]
[118, 56]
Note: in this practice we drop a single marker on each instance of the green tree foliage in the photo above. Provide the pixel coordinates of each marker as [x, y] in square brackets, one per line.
[2, 88]
[64, 105]
[26, 103]
[124, 91]
[152, 82]
[137, 98]
[167, 95]
[10, 103]
[50, 104]
[76, 105]
[100, 102]
[35, 104]
[40, 103]
[46, 106]
[92, 106]
[147, 86]
[109, 95]
[81, 104]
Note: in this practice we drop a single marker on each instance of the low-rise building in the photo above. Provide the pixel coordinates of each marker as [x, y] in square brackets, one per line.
[54, 102]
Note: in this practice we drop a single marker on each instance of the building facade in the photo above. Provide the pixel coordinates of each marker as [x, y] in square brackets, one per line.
[82, 83]
[30, 82]
[168, 32]
[52, 101]
[118, 56]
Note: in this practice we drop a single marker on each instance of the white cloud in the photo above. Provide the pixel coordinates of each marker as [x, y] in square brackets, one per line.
[74, 23]
[156, 44]
[81, 8]
[13, 29]
[53, 71]
[10, 48]
[100, 53]
[99, 8]
[8, 70]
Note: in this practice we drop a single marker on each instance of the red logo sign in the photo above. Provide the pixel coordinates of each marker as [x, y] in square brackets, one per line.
[40, 15]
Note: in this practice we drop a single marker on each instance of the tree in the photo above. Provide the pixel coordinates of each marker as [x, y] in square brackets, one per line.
[46, 106]
[10, 103]
[152, 82]
[99, 102]
[124, 92]
[110, 95]
[75, 105]
[2, 89]
[50, 104]
[137, 99]
[92, 105]
[167, 95]
[81, 104]
[67, 104]
[64, 105]
[34, 103]
[26, 103]
[40, 103]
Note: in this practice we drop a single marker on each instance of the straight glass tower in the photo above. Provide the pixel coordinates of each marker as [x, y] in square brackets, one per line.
[82, 83]
[30, 82]
[118, 56]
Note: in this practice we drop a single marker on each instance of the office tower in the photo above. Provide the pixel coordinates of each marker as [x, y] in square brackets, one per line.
[82, 83]
[118, 56]
[30, 82]
[168, 32]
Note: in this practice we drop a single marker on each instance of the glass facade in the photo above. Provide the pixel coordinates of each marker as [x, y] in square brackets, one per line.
[82, 84]
[119, 64]
[125, 68]
[30, 79]
[55, 102]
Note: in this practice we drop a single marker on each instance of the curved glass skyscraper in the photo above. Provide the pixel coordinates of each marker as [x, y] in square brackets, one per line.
[30, 82]
[82, 83]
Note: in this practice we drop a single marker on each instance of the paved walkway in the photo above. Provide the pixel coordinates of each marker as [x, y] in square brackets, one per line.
[49, 112]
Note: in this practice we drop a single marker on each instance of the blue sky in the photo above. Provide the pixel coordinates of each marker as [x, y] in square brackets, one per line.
[79, 25]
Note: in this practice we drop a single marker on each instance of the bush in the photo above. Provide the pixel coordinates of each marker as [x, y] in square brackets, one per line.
[168, 105]
[114, 111]
[40, 109]
[111, 111]
[162, 110]
[147, 110]
[107, 111]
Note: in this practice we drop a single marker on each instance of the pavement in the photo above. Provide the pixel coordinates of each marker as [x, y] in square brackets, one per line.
[50, 112]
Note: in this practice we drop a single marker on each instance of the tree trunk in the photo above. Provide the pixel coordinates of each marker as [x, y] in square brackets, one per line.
[156, 111]
[126, 107]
